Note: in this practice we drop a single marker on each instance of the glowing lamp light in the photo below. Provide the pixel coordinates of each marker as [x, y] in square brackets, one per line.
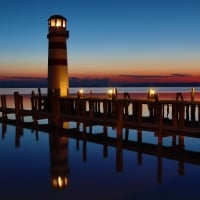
[152, 94]
[80, 93]
[57, 21]
[110, 93]
[59, 182]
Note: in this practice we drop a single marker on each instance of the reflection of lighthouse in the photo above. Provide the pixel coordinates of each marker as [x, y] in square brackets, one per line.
[57, 55]
[59, 160]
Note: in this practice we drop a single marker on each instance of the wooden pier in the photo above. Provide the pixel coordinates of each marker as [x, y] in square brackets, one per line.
[152, 114]
[164, 118]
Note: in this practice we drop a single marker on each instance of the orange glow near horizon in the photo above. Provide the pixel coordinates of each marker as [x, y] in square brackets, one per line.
[126, 78]
[143, 71]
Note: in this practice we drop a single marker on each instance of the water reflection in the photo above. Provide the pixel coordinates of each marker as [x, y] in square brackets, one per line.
[59, 168]
[174, 149]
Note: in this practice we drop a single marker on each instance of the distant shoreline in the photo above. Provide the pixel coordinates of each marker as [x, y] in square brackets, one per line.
[22, 84]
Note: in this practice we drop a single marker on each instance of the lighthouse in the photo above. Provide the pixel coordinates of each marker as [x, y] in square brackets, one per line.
[57, 55]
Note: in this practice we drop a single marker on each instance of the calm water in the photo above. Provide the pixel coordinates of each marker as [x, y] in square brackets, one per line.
[31, 160]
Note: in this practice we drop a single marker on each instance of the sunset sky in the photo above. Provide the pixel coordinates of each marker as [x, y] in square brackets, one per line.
[121, 40]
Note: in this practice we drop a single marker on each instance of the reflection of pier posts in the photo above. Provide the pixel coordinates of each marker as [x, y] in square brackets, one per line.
[159, 170]
[36, 135]
[159, 121]
[139, 139]
[18, 134]
[4, 129]
[119, 153]
[105, 146]
[159, 164]
[77, 140]
[160, 139]
[84, 143]
[90, 129]
[181, 162]
[126, 133]
[174, 141]
[181, 141]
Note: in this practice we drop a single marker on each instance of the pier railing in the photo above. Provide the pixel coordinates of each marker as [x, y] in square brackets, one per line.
[133, 112]
[176, 114]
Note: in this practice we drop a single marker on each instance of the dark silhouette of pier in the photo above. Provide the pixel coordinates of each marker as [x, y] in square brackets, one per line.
[165, 116]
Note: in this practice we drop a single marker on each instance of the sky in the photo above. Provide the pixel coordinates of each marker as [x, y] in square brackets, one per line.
[110, 40]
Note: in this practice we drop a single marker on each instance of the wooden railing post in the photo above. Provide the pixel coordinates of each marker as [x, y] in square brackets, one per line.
[174, 114]
[18, 106]
[139, 112]
[159, 114]
[181, 113]
[4, 106]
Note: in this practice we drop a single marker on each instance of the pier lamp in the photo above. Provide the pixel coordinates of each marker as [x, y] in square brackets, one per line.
[112, 93]
[152, 94]
[80, 93]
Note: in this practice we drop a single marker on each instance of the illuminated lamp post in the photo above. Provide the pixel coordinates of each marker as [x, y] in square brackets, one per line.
[57, 55]
[112, 93]
[80, 93]
[151, 93]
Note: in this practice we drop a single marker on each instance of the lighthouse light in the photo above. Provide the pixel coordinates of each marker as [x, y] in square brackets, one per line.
[52, 22]
[58, 22]
[64, 24]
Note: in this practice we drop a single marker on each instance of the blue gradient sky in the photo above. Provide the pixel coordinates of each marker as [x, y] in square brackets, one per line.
[126, 40]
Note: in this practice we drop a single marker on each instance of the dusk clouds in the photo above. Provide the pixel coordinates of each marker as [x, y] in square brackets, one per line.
[157, 77]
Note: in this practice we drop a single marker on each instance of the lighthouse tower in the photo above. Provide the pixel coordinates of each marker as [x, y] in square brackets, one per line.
[57, 55]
